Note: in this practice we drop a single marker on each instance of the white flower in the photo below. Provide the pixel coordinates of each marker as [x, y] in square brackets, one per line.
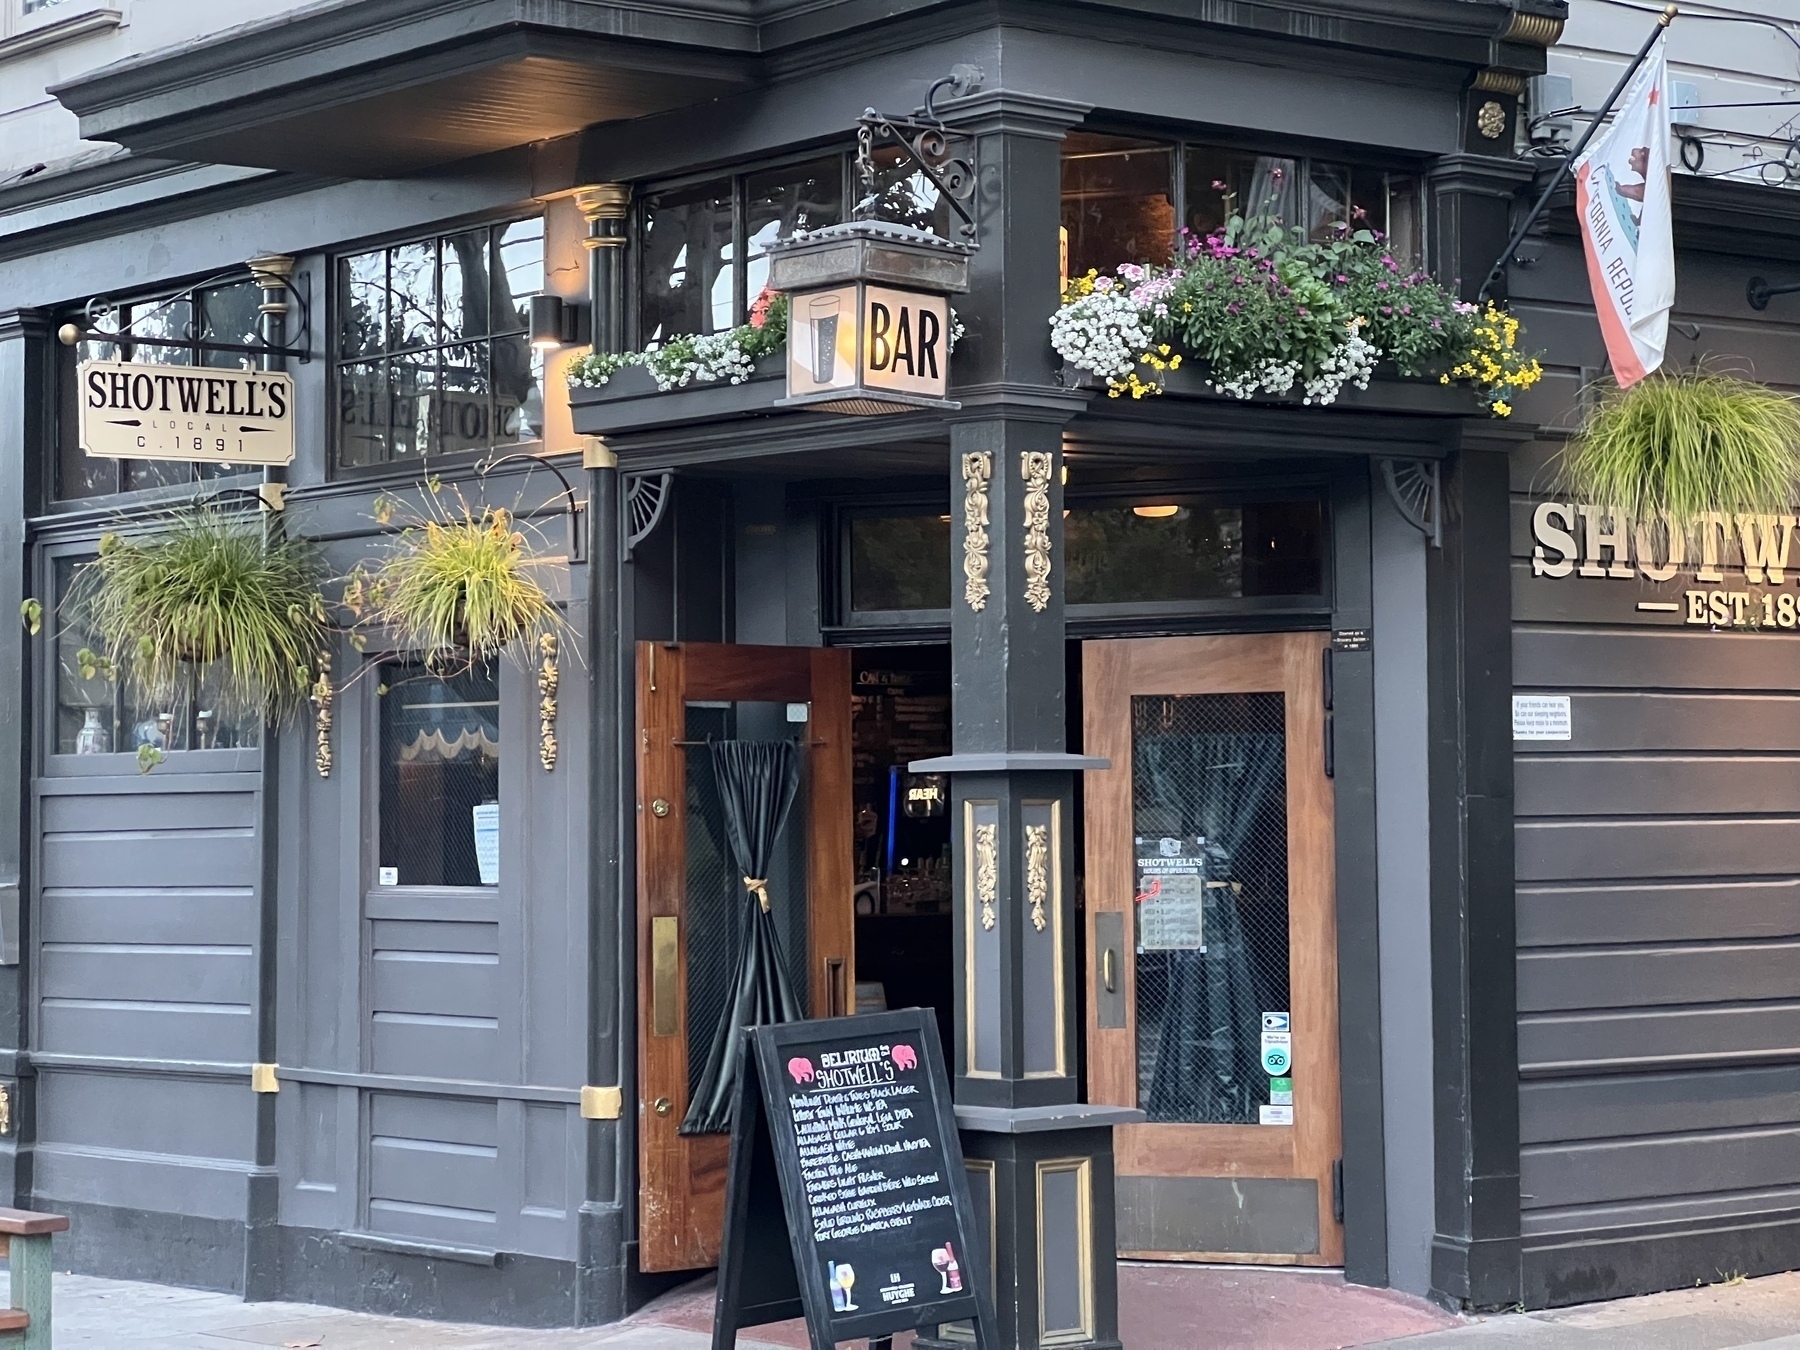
[1103, 331]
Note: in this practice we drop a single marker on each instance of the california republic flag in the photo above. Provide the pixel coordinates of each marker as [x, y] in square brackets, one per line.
[1622, 194]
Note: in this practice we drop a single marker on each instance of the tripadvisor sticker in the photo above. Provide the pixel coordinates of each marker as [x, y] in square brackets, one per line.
[1277, 1044]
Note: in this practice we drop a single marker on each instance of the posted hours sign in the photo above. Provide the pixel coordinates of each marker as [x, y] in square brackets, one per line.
[136, 410]
[847, 1202]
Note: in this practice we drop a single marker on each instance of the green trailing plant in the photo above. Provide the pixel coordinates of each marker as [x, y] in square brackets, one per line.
[700, 358]
[1686, 444]
[204, 586]
[457, 586]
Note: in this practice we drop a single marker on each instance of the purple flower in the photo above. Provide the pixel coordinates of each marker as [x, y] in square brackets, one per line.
[1387, 309]
[1357, 213]
[1342, 279]
[1219, 184]
[1300, 309]
[1233, 308]
[1381, 286]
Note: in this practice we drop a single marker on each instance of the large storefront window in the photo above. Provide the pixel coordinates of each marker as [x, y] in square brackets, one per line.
[1123, 201]
[440, 776]
[433, 356]
[173, 331]
[693, 239]
[96, 715]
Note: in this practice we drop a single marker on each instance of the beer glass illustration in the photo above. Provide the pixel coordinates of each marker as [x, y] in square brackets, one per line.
[846, 1278]
[823, 311]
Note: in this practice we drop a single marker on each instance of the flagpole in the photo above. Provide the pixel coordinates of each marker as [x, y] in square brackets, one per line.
[1498, 270]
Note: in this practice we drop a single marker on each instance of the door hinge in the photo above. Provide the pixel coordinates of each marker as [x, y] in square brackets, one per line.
[1337, 1190]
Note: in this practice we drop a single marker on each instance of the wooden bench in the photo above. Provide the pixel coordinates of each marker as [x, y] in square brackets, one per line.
[25, 1242]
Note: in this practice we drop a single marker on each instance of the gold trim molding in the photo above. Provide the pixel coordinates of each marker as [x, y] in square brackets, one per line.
[1035, 467]
[323, 696]
[1037, 872]
[978, 473]
[602, 1103]
[548, 679]
[987, 872]
[1083, 1168]
[1540, 30]
[263, 1079]
[1493, 81]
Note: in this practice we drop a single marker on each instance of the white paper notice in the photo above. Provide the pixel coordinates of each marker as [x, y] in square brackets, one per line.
[487, 842]
[1274, 1115]
[1541, 717]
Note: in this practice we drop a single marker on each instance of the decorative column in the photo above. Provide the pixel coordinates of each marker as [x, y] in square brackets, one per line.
[273, 274]
[600, 1293]
[1040, 1163]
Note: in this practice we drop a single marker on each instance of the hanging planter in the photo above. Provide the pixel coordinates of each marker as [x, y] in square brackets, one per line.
[701, 358]
[205, 587]
[458, 588]
[1686, 444]
[1265, 310]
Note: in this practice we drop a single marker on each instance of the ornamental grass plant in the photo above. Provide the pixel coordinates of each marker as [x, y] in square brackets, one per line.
[457, 587]
[1685, 444]
[206, 586]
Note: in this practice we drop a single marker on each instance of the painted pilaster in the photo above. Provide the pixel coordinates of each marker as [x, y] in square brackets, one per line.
[600, 1294]
[25, 398]
[1040, 1163]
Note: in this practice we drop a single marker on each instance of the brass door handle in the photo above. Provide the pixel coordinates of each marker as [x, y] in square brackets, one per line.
[661, 1106]
[1106, 969]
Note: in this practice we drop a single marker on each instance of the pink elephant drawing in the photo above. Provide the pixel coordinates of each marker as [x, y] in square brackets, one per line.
[801, 1070]
[905, 1057]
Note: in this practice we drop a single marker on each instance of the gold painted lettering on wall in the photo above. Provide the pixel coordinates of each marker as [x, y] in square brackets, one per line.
[1716, 548]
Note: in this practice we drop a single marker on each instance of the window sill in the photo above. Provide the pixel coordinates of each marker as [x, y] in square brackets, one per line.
[61, 23]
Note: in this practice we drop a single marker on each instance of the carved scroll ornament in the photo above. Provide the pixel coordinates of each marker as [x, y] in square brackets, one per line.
[978, 472]
[1036, 465]
[1037, 872]
[987, 872]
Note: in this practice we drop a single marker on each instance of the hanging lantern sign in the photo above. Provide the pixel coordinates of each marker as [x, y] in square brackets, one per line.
[138, 410]
[868, 316]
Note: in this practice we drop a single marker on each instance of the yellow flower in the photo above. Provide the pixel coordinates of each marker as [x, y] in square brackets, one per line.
[1502, 409]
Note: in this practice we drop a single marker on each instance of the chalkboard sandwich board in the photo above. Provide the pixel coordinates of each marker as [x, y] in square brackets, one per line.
[847, 1202]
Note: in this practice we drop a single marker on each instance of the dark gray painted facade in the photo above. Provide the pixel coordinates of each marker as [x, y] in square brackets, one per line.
[1612, 1110]
[1656, 874]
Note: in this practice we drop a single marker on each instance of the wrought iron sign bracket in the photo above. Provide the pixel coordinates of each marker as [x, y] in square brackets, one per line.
[99, 308]
[945, 157]
[1415, 487]
[645, 497]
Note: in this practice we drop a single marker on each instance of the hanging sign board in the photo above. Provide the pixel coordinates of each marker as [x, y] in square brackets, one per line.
[136, 410]
[859, 339]
[847, 1202]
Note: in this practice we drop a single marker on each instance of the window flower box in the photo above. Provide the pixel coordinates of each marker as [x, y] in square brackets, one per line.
[632, 400]
[1388, 392]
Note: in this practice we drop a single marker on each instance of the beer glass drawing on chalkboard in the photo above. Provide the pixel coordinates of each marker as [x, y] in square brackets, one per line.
[841, 1278]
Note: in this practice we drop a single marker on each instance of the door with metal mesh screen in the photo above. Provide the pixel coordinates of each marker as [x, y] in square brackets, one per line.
[1212, 941]
[693, 904]
[716, 899]
[1209, 829]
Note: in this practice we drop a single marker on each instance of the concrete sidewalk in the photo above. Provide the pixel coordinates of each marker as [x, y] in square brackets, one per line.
[1165, 1308]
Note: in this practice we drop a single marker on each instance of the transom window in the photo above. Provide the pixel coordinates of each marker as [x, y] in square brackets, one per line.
[1152, 553]
[173, 331]
[704, 247]
[433, 356]
[1125, 199]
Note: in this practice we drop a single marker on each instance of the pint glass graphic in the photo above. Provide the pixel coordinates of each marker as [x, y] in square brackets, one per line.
[822, 310]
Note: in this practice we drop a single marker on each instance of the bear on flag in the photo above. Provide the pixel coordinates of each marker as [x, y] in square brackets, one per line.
[1622, 192]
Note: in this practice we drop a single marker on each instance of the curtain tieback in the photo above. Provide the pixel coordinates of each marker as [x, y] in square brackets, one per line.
[760, 889]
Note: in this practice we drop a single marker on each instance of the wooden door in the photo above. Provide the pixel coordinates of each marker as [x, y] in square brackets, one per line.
[1210, 903]
[689, 897]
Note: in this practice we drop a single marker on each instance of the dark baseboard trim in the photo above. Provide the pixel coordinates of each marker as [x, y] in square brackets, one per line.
[1584, 1268]
[148, 1245]
[359, 1272]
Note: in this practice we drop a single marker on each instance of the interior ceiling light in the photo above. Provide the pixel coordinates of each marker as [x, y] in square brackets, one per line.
[1155, 512]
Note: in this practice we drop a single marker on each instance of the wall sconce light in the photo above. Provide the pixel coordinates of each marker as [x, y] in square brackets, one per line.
[554, 322]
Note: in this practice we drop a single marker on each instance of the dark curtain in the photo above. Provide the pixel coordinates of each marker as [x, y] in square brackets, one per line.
[1209, 1053]
[757, 784]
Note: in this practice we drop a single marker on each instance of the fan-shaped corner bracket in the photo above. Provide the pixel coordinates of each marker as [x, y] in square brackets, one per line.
[1415, 487]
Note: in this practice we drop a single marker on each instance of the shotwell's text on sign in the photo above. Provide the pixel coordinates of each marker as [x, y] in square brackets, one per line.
[135, 410]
